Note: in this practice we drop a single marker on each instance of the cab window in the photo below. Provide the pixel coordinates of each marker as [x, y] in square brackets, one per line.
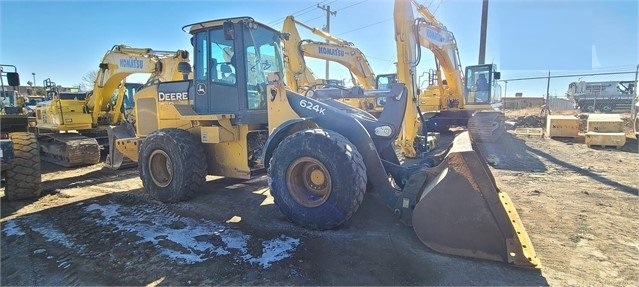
[222, 61]
[262, 57]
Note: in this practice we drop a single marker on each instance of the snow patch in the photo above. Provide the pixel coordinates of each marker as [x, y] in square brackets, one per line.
[52, 234]
[275, 250]
[191, 241]
[10, 228]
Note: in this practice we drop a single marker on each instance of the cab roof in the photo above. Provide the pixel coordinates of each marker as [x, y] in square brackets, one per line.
[192, 28]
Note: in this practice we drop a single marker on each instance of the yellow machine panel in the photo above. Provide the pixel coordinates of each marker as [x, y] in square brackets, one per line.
[230, 158]
[217, 134]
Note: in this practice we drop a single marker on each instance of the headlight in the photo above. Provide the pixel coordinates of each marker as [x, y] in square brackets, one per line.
[383, 131]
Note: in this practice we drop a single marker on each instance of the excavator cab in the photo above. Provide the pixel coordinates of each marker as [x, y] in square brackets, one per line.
[480, 87]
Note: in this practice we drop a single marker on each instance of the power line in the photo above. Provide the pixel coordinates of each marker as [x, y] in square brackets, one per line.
[364, 27]
[307, 9]
[313, 19]
[440, 3]
[568, 76]
[340, 9]
[352, 5]
[379, 59]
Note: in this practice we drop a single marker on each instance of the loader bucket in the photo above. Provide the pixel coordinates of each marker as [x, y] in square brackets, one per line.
[115, 159]
[462, 212]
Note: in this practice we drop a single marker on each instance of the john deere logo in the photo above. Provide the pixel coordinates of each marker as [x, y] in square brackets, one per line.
[200, 89]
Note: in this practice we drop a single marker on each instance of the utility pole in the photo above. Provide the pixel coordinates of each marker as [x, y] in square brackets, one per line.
[327, 28]
[482, 33]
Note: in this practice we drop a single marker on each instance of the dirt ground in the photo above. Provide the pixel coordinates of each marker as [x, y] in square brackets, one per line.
[94, 226]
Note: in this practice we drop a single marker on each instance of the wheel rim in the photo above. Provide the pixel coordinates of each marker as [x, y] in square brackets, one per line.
[308, 182]
[160, 168]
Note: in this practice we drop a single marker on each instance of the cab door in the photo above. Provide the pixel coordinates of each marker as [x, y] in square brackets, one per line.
[216, 81]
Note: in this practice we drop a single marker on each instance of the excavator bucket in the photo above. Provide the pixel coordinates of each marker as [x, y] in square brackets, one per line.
[115, 159]
[462, 212]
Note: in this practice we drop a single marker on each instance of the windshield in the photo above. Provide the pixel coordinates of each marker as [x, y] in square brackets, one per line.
[478, 84]
[263, 56]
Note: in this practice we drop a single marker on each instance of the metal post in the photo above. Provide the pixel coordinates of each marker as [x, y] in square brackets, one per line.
[328, 26]
[2, 82]
[505, 88]
[34, 82]
[482, 34]
[548, 88]
[634, 100]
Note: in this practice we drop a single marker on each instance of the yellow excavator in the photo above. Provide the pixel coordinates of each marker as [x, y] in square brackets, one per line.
[320, 154]
[301, 78]
[72, 126]
[457, 100]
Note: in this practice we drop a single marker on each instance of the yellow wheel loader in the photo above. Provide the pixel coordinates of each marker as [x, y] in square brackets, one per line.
[320, 154]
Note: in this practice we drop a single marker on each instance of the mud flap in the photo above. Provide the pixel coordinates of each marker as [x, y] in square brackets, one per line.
[115, 159]
[462, 212]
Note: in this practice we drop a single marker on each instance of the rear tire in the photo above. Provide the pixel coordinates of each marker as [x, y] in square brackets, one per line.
[172, 165]
[317, 178]
[24, 175]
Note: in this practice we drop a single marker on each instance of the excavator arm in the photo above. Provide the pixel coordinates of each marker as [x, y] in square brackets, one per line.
[300, 77]
[297, 74]
[407, 61]
[336, 50]
[351, 57]
[122, 61]
[434, 36]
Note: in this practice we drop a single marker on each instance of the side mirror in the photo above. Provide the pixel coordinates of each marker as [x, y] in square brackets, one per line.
[13, 78]
[185, 69]
[229, 30]
[497, 75]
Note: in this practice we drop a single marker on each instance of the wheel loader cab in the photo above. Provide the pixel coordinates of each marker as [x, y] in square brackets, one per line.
[232, 61]
[225, 117]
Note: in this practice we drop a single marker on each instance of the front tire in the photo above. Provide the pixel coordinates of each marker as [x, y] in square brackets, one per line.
[172, 165]
[24, 175]
[317, 178]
